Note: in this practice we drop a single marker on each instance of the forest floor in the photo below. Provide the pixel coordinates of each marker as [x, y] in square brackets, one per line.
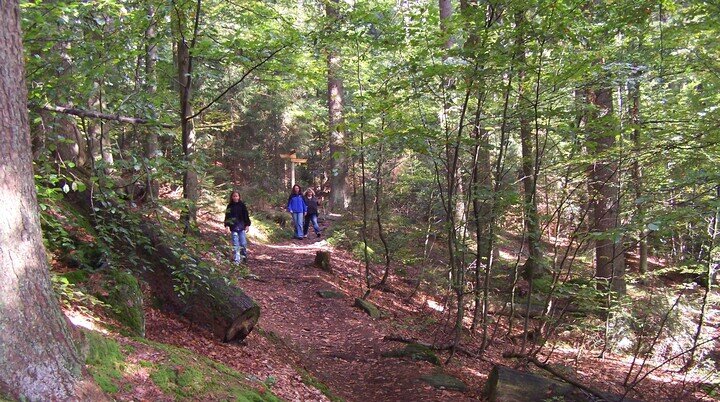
[303, 341]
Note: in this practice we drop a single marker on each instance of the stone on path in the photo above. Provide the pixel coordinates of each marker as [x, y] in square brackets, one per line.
[444, 381]
[330, 294]
[369, 308]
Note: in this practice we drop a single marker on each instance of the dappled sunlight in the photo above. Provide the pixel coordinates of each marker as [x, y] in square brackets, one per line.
[435, 306]
[507, 256]
[85, 321]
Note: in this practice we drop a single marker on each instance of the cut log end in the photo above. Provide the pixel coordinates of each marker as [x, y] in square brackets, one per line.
[243, 325]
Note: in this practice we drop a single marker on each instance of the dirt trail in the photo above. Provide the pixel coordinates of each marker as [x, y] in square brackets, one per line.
[339, 344]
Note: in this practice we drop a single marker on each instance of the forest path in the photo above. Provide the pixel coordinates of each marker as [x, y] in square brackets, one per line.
[339, 344]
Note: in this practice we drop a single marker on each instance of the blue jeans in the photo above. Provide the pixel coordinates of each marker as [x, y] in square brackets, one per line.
[298, 222]
[308, 219]
[239, 245]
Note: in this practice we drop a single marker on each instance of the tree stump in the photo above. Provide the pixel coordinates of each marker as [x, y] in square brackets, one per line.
[322, 260]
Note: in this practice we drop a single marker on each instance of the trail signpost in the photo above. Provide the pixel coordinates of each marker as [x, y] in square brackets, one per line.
[292, 157]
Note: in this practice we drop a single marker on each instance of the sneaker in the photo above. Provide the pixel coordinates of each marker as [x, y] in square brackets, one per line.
[319, 234]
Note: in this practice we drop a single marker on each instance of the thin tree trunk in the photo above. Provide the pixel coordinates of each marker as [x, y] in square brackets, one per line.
[151, 140]
[378, 214]
[713, 261]
[339, 198]
[634, 106]
[534, 262]
[185, 71]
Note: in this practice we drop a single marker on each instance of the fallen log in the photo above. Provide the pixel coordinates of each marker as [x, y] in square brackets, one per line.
[211, 303]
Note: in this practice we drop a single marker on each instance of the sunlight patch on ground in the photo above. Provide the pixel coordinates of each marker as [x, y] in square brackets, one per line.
[435, 306]
[82, 320]
[321, 244]
[474, 372]
[506, 255]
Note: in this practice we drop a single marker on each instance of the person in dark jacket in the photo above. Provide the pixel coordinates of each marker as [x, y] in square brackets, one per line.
[312, 213]
[296, 206]
[237, 220]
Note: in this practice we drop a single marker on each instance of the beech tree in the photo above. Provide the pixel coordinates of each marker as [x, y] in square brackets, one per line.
[38, 358]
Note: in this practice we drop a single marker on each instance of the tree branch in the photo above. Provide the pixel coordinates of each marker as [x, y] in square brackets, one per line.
[102, 116]
[217, 98]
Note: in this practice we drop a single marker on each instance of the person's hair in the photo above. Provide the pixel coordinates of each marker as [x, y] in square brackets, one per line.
[292, 192]
[309, 191]
[231, 194]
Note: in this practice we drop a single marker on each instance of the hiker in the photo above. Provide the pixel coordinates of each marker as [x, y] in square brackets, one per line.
[312, 213]
[296, 206]
[237, 220]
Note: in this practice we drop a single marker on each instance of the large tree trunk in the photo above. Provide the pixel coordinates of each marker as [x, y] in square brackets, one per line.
[339, 197]
[604, 196]
[38, 359]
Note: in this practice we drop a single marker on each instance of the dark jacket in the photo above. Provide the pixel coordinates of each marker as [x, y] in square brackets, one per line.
[236, 216]
[296, 204]
[312, 205]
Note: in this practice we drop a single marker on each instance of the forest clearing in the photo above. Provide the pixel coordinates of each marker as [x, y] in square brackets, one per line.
[325, 200]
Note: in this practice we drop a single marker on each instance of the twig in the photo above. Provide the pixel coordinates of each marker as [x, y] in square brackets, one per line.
[397, 338]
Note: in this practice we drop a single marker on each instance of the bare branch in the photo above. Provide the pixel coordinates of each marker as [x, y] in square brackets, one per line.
[102, 116]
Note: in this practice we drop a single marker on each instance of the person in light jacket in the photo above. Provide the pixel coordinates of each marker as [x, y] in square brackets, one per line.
[296, 206]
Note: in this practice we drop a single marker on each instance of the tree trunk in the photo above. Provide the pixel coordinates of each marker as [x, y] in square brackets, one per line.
[151, 141]
[604, 197]
[339, 197]
[634, 95]
[532, 224]
[38, 359]
[190, 176]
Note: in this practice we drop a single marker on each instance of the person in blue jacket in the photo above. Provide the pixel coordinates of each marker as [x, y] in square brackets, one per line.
[296, 206]
[237, 220]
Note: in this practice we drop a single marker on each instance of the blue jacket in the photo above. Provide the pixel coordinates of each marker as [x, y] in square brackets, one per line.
[296, 204]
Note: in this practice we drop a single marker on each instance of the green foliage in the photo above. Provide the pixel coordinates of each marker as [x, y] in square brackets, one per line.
[69, 289]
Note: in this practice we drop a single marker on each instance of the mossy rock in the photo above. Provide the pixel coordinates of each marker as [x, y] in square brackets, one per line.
[126, 301]
[444, 381]
[331, 294]
[369, 308]
[104, 360]
[415, 351]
